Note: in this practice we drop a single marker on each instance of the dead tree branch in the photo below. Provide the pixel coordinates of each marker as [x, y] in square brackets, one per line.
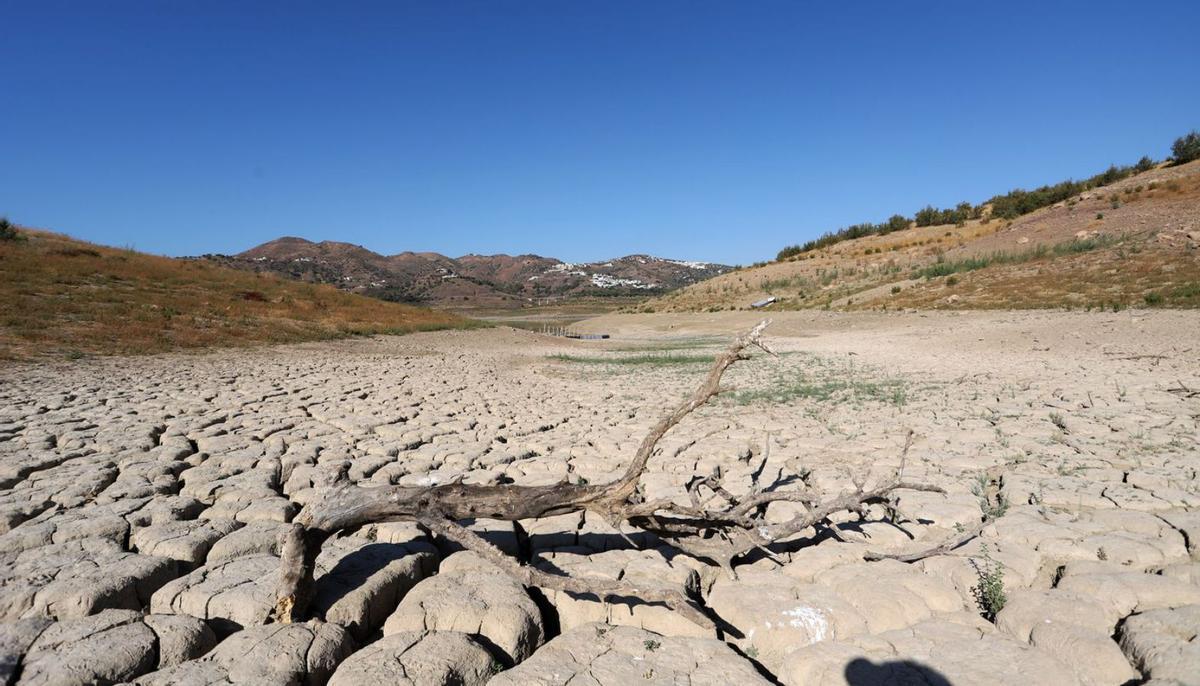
[719, 527]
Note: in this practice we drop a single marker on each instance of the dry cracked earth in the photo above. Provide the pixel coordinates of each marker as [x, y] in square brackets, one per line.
[142, 499]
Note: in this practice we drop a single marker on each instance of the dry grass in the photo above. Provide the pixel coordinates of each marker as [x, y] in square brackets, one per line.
[1128, 244]
[1106, 279]
[62, 297]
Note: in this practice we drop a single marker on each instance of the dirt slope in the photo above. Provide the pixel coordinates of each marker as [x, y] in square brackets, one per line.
[63, 297]
[1135, 242]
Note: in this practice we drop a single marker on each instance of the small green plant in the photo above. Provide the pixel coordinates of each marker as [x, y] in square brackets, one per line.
[1099, 215]
[952, 281]
[1154, 299]
[896, 289]
[752, 653]
[495, 668]
[1058, 420]
[992, 509]
[651, 645]
[1186, 291]
[651, 359]
[74, 355]
[989, 590]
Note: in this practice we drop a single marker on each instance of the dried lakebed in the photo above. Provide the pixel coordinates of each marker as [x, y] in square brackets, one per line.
[142, 501]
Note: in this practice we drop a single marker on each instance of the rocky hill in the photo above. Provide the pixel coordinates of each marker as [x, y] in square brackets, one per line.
[1132, 242]
[471, 280]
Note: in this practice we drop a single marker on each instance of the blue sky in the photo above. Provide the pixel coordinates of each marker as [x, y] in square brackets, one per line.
[717, 131]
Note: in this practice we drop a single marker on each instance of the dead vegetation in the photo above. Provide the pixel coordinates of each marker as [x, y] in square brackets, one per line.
[715, 526]
[61, 297]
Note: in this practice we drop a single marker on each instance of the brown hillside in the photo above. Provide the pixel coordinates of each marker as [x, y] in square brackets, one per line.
[63, 297]
[1134, 242]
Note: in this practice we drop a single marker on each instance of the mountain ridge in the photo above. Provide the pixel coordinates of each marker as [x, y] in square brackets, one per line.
[468, 281]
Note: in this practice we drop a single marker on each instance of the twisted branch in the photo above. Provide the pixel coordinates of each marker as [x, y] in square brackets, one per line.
[720, 534]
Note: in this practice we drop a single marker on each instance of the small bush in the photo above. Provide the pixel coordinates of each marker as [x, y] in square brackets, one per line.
[1186, 148]
[8, 232]
[895, 290]
[952, 281]
[989, 590]
[1154, 299]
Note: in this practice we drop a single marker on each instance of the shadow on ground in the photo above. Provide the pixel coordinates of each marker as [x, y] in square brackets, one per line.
[863, 672]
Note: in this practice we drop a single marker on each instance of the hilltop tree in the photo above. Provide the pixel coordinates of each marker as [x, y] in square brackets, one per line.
[1186, 148]
[8, 232]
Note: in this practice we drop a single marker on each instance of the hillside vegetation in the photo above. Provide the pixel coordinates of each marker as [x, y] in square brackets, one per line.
[1131, 241]
[60, 297]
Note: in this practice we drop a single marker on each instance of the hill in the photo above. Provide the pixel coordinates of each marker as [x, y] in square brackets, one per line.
[1134, 241]
[63, 297]
[470, 281]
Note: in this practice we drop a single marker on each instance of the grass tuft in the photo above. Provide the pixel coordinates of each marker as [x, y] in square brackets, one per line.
[648, 359]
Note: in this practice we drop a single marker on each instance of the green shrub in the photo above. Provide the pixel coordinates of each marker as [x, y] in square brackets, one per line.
[895, 290]
[790, 251]
[1186, 148]
[1154, 299]
[931, 216]
[989, 590]
[1007, 206]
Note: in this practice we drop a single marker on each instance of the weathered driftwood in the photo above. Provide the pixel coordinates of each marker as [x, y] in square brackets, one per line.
[717, 534]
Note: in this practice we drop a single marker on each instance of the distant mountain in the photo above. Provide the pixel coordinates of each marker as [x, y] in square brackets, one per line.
[470, 280]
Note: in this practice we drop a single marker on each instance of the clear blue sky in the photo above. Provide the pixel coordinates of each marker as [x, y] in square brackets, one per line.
[583, 130]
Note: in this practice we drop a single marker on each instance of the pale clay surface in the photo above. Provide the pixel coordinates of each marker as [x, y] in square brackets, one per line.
[142, 499]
